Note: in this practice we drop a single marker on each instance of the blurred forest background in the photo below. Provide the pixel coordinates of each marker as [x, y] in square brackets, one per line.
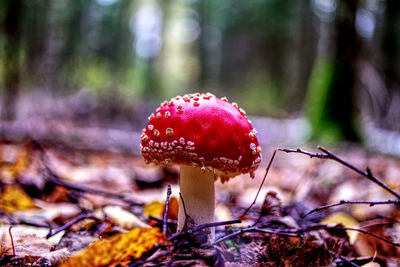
[111, 62]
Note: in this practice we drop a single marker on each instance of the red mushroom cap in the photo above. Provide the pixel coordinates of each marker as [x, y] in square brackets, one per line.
[202, 130]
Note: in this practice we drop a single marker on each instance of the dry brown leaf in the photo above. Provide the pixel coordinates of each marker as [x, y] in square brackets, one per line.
[119, 249]
[57, 256]
[367, 245]
[271, 205]
[13, 198]
[371, 264]
[24, 244]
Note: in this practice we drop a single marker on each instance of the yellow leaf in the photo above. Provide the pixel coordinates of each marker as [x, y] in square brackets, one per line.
[154, 208]
[344, 219]
[13, 198]
[119, 249]
[13, 170]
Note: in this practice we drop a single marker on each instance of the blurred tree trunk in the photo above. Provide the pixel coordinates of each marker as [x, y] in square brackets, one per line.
[306, 48]
[391, 41]
[202, 53]
[37, 20]
[330, 103]
[390, 110]
[12, 70]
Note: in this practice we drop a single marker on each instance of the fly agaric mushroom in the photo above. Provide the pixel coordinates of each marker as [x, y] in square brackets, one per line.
[209, 138]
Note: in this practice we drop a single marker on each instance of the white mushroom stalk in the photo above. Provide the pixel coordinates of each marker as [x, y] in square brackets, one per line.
[197, 191]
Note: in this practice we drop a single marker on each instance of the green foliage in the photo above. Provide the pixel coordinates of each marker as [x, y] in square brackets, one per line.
[317, 110]
[262, 94]
[94, 74]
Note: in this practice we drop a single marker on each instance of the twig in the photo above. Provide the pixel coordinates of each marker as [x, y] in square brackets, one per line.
[52, 177]
[169, 221]
[253, 229]
[349, 261]
[203, 226]
[337, 227]
[371, 234]
[166, 210]
[12, 239]
[297, 232]
[262, 182]
[81, 217]
[329, 155]
[347, 202]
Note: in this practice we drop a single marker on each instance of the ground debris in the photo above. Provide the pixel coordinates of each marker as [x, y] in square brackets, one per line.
[110, 209]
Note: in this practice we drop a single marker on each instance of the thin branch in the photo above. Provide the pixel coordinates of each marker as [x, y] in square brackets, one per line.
[81, 217]
[348, 261]
[329, 155]
[337, 227]
[371, 234]
[347, 202]
[368, 174]
[166, 210]
[169, 221]
[297, 232]
[203, 226]
[52, 177]
[262, 182]
[253, 229]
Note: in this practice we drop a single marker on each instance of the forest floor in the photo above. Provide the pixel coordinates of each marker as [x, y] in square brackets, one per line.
[70, 207]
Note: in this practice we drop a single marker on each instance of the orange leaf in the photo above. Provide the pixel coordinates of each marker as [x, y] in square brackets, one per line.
[119, 249]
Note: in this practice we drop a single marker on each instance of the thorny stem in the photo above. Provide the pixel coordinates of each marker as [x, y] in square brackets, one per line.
[262, 182]
[329, 155]
[166, 210]
[347, 202]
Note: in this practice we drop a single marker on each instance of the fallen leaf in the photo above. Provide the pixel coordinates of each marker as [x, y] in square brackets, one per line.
[123, 218]
[173, 208]
[40, 232]
[12, 170]
[367, 245]
[119, 249]
[24, 244]
[157, 209]
[371, 264]
[13, 198]
[271, 205]
[345, 220]
[57, 256]
[75, 241]
[154, 208]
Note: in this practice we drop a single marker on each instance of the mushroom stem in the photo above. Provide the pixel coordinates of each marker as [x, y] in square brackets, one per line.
[197, 191]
